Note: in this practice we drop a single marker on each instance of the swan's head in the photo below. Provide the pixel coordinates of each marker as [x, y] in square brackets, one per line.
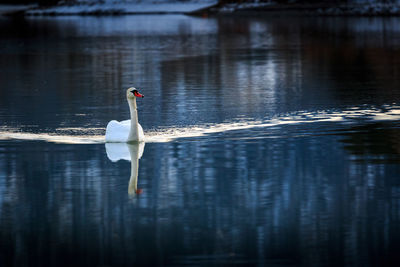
[132, 93]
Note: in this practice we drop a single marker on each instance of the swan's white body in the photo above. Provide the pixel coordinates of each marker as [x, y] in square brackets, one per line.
[118, 132]
[128, 130]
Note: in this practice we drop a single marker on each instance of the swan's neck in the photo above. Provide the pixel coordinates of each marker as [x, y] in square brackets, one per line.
[134, 131]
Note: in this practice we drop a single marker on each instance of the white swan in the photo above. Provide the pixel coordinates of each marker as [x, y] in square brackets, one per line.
[128, 130]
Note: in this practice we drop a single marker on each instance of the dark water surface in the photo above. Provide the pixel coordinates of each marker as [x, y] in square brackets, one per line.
[271, 141]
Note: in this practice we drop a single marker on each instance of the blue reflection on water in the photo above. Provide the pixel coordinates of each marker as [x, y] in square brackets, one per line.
[295, 161]
[289, 200]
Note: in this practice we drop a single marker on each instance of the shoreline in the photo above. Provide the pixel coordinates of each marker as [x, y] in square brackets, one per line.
[106, 9]
[206, 9]
[321, 9]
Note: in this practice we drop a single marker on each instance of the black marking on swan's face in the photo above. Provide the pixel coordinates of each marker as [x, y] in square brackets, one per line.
[136, 93]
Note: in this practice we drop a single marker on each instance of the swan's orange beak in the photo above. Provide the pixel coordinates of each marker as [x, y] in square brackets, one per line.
[137, 94]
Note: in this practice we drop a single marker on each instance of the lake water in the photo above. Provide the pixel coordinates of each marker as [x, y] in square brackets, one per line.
[269, 141]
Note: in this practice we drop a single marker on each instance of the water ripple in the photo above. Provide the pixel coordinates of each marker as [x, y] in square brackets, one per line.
[78, 135]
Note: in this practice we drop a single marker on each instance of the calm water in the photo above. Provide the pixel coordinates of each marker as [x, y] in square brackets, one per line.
[270, 141]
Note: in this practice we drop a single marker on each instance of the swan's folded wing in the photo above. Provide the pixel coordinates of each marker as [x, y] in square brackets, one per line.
[126, 123]
[117, 131]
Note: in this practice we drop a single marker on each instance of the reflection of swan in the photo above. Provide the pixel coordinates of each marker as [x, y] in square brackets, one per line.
[132, 152]
[128, 130]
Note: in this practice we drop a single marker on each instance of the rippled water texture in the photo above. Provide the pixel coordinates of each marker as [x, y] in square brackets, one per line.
[269, 141]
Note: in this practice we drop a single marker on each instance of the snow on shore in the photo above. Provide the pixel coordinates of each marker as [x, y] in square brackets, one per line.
[113, 7]
[122, 7]
[8, 9]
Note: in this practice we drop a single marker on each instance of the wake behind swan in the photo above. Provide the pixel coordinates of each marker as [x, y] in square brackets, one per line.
[168, 134]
